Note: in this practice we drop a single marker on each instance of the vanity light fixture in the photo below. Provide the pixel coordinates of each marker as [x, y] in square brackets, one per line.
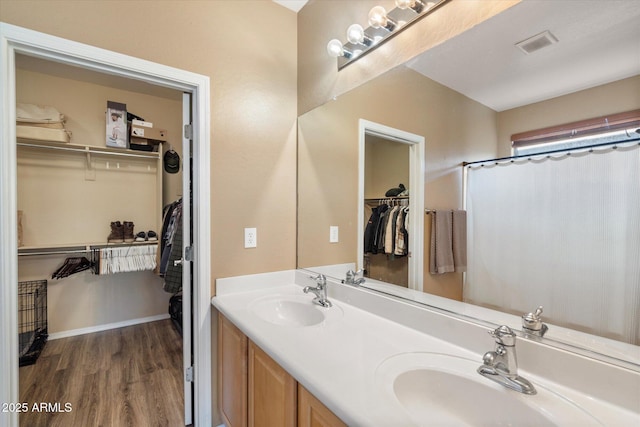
[382, 26]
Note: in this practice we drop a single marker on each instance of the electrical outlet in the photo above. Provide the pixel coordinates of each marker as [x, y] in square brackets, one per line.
[250, 238]
[333, 234]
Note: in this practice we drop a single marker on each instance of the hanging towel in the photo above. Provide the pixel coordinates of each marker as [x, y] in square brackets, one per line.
[441, 257]
[459, 240]
[448, 242]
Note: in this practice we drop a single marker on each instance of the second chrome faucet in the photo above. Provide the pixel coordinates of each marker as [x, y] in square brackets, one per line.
[353, 279]
[501, 365]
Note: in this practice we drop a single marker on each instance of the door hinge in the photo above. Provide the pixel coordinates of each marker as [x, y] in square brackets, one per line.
[188, 375]
[188, 131]
[188, 253]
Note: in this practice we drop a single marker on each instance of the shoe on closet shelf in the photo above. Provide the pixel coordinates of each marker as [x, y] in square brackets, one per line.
[128, 231]
[117, 233]
[141, 237]
[152, 236]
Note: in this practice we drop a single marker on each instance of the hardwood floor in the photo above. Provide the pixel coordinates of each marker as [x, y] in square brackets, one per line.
[130, 376]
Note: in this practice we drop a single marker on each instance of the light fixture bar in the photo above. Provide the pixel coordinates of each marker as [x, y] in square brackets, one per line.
[383, 26]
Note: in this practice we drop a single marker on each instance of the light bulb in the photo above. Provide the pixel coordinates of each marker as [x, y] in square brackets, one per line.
[334, 48]
[404, 4]
[416, 5]
[355, 34]
[378, 19]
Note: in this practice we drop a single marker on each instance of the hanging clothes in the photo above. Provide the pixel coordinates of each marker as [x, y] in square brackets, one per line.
[371, 227]
[172, 215]
[386, 230]
[173, 275]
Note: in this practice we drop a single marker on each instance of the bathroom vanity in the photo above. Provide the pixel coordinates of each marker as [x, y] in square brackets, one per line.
[370, 359]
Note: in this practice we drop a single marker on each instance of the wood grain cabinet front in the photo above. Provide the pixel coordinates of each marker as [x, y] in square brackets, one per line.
[232, 373]
[272, 392]
[255, 391]
[312, 413]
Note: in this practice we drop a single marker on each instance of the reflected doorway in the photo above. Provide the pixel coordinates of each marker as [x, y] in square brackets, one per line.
[390, 199]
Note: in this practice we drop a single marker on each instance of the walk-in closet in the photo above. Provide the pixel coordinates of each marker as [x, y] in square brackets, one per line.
[386, 210]
[98, 302]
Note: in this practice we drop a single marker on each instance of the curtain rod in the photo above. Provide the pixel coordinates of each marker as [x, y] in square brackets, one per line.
[542, 153]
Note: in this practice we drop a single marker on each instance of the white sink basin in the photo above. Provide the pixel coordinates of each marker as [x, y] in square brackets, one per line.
[446, 390]
[293, 310]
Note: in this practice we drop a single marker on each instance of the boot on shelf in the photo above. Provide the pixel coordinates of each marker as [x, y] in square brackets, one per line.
[128, 231]
[117, 233]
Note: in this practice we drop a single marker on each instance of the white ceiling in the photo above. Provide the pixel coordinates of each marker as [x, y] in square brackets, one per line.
[599, 42]
[294, 5]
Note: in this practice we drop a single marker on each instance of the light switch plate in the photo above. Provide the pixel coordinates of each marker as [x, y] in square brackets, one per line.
[333, 234]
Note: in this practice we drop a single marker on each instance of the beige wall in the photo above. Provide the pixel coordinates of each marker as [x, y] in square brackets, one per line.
[322, 20]
[455, 128]
[248, 49]
[616, 97]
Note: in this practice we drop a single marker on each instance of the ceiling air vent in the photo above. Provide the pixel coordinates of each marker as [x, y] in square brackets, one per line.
[537, 42]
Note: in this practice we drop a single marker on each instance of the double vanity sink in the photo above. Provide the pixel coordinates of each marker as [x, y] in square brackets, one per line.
[370, 370]
[295, 311]
[444, 389]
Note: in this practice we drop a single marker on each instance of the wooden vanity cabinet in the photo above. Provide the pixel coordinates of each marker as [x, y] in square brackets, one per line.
[272, 392]
[254, 390]
[232, 373]
[312, 413]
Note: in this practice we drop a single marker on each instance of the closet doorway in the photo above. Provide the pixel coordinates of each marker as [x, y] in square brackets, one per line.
[404, 269]
[17, 42]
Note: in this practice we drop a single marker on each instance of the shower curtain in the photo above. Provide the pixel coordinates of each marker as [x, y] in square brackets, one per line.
[560, 231]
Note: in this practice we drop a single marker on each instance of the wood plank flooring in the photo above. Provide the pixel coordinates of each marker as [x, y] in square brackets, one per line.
[130, 376]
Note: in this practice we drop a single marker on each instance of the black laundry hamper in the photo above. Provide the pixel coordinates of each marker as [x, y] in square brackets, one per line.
[32, 320]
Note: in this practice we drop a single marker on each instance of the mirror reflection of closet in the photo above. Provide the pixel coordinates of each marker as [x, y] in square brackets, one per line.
[386, 167]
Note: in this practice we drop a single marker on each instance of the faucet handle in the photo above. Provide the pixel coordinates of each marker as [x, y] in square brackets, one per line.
[504, 335]
[533, 320]
[320, 279]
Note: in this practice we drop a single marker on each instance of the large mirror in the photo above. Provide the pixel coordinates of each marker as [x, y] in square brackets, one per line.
[466, 97]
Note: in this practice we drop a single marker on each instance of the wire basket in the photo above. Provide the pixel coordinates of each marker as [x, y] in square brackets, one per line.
[32, 320]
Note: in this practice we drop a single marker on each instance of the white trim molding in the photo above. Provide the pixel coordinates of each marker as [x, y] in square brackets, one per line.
[16, 40]
[105, 327]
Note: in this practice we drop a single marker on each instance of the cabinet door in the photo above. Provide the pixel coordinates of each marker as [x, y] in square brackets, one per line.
[272, 392]
[232, 373]
[312, 413]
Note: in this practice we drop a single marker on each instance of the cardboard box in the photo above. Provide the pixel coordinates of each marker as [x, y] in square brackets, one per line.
[141, 131]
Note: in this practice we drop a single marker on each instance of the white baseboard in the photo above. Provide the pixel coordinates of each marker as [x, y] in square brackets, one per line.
[106, 327]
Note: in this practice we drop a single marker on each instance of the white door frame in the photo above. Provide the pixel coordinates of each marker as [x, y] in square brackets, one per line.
[19, 40]
[416, 191]
[187, 330]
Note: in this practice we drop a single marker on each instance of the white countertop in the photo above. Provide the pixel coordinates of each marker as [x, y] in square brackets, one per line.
[337, 360]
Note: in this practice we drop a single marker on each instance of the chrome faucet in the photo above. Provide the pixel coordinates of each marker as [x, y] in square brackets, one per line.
[351, 278]
[501, 365]
[320, 291]
[532, 323]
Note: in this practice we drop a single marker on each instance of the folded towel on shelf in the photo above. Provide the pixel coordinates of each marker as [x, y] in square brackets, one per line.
[40, 123]
[38, 114]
